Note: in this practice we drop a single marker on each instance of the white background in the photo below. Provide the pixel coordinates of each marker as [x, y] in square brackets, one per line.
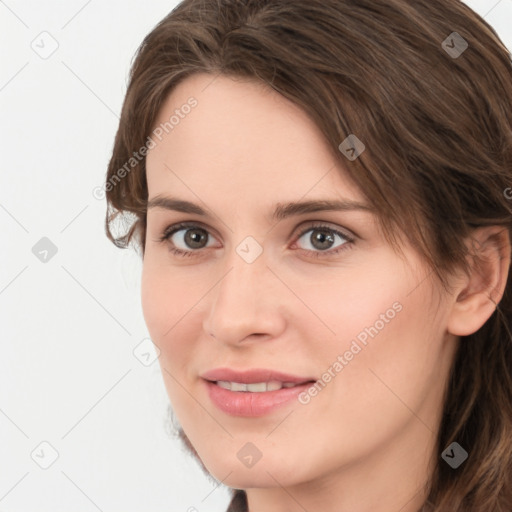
[69, 376]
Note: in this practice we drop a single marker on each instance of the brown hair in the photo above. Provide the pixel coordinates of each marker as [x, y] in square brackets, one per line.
[438, 160]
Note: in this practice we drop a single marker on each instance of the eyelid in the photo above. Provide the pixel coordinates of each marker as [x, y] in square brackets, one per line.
[327, 225]
[178, 226]
[172, 228]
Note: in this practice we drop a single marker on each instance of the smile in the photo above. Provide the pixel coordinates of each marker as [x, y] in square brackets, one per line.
[257, 387]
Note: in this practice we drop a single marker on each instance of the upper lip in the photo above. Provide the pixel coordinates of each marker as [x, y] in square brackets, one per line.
[252, 376]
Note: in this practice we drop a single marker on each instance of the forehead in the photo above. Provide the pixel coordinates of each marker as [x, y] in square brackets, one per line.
[242, 138]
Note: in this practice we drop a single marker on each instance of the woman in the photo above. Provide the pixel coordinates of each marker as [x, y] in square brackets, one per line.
[320, 196]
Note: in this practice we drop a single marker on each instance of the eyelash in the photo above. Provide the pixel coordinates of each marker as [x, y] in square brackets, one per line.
[171, 230]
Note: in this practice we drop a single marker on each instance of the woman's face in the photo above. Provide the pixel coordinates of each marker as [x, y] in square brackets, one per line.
[315, 294]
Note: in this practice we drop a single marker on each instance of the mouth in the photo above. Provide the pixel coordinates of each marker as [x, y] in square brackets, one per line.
[254, 392]
[257, 387]
[258, 376]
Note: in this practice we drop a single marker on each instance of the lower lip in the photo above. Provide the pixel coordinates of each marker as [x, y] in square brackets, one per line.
[243, 403]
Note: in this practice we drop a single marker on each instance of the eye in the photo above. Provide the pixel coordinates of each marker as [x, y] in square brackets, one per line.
[321, 241]
[192, 237]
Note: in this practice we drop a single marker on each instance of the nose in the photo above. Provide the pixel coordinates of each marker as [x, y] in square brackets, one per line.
[247, 303]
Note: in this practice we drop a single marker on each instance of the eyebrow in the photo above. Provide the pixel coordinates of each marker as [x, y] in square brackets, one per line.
[282, 210]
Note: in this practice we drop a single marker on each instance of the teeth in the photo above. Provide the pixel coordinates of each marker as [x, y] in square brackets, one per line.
[257, 387]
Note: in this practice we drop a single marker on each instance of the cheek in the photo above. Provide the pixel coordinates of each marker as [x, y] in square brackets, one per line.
[364, 304]
[391, 348]
[167, 305]
[160, 311]
[153, 300]
[387, 343]
[162, 304]
[163, 296]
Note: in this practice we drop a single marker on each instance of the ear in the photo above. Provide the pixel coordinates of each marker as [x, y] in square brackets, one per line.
[477, 295]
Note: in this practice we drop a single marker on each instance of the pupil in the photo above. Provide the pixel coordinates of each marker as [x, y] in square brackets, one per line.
[323, 236]
[194, 240]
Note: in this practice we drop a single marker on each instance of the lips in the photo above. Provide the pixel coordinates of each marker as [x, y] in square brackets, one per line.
[253, 376]
[254, 392]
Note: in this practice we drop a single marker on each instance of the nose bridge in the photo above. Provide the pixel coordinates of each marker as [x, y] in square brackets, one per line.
[241, 286]
[246, 265]
[242, 303]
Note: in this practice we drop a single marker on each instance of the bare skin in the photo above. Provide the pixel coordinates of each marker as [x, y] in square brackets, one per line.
[365, 442]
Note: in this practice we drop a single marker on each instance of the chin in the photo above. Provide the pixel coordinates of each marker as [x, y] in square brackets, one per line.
[265, 473]
[247, 479]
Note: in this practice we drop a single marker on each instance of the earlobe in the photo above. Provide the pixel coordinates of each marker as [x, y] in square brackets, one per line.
[481, 291]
